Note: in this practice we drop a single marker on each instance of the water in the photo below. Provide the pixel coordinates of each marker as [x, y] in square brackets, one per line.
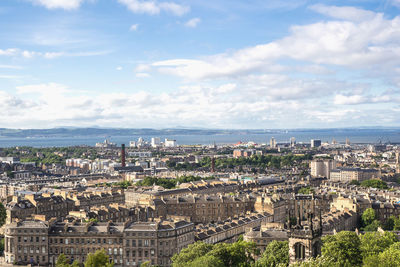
[340, 135]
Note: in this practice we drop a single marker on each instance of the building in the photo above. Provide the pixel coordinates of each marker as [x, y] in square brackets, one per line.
[155, 141]
[305, 240]
[292, 142]
[272, 142]
[315, 143]
[126, 244]
[265, 234]
[169, 142]
[349, 174]
[9, 160]
[106, 144]
[322, 167]
[237, 153]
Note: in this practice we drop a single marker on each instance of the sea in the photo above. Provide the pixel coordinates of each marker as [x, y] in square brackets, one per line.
[355, 136]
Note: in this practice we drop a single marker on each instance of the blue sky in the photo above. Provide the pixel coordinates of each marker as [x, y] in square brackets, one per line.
[215, 64]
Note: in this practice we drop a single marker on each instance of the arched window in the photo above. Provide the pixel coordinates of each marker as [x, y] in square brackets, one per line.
[300, 251]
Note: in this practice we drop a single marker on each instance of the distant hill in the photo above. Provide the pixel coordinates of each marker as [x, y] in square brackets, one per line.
[97, 131]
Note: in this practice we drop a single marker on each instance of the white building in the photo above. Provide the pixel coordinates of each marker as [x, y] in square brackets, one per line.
[169, 143]
[272, 142]
[322, 167]
[155, 141]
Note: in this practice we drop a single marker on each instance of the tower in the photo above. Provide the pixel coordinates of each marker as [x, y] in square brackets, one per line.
[213, 165]
[123, 155]
[272, 142]
[397, 161]
[305, 238]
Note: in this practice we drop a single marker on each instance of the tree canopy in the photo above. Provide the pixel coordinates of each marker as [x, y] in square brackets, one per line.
[375, 183]
[343, 248]
[98, 259]
[240, 253]
[275, 254]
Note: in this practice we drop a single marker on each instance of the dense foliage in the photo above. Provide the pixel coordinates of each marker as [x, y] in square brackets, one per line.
[169, 183]
[369, 221]
[240, 253]
[259, 161]
[3, 214]
[375, 183]
[275, 254]
[97, 259]
[49, 155]
[306, 190]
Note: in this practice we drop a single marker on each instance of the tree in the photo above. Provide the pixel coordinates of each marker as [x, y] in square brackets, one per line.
[275, 254]
[368, 216]
[191, 253]
[207, 261]
[343, 248]
[390, 257]
[239, 253]
[375, 183]
[354, 182]
[98, 259]
[3, 214]
[372, 227]
[373, 243]
[319, 261]
[62, 261]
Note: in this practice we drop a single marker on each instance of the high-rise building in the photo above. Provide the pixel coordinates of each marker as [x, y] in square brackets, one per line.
[322, 167]
[315, 143]
[155, 141]
[272, 142]
[169, 143]
[292, 142]
[347, 142]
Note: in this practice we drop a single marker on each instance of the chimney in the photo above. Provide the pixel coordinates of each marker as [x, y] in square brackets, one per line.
[123, 155]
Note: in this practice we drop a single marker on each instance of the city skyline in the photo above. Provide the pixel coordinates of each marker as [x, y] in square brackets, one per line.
[226, 65]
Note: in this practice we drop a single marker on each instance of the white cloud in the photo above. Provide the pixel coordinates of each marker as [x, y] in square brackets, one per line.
[134, 27]
[349, 100]
[56, 4]
[154, 7]
[49, 55]
[8, 52]
[15, 67]
[192, 23]
[345, 13]
[142, 68]
[119, 68]
[373, 41]
[142, 75]
[279, 102]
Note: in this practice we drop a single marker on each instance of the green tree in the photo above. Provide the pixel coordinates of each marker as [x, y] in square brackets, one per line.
[319, 261]
[373, 243]
[275, 254]
[207, 261]
[354, 182]
[375, 183]
[191, 253]
[62, 261]
[240, 253]
[98, 259]
[390, 257]
[343, 248]
[372, 227]
[368, 216]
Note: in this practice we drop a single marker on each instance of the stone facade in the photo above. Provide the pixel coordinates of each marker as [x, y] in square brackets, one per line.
[127, 244]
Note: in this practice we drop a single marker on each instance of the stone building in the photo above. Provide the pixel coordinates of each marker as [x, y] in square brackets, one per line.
[126, 244]
[304, 240]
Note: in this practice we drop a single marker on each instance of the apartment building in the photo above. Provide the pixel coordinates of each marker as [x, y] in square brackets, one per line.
[127, 244]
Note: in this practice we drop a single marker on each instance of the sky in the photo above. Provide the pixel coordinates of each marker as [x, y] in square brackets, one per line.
[249, 64]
